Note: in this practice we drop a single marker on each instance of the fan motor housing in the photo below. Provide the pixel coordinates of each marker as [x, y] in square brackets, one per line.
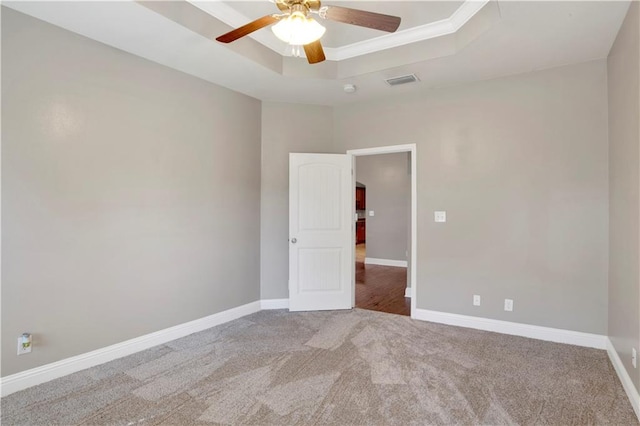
[286, 5]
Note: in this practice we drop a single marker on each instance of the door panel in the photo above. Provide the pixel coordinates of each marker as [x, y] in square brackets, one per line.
[319, 197]
[320, 228]
[317, 269]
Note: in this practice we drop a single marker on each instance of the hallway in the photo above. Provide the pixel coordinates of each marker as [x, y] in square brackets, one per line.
[380, 288]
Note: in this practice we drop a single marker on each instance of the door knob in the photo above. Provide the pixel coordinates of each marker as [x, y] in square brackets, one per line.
[293, 241]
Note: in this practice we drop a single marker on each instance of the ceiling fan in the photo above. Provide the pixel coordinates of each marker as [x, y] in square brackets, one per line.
[296, 27]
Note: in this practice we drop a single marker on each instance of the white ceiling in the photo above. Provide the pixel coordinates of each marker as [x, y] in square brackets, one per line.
[526, 36]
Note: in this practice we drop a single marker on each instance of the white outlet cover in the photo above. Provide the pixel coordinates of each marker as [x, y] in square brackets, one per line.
[440, 216]
[508, 305]
[372, 213]
[634, 357]
[24, 349]
[476, 300]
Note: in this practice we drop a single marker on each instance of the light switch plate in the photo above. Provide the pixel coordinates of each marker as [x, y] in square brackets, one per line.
[440, 216]
[372, 213]
[476, 300]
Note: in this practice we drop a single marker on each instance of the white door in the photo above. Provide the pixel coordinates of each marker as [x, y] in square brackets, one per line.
[320, 228]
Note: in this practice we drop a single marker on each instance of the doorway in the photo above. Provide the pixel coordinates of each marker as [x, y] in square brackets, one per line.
[384, 282]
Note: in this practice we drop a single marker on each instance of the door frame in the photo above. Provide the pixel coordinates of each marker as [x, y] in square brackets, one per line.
[391, 149]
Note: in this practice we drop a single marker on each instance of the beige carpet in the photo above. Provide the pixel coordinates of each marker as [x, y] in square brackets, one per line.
[344, 368]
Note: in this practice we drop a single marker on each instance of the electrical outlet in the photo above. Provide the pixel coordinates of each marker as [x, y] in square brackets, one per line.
[634, 358]
[440, 216]
[508, 305]
[476, 300]
[372, 213]
[24, 344]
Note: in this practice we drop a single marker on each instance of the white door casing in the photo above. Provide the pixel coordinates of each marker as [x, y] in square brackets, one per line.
[320, 228]
[413, 252]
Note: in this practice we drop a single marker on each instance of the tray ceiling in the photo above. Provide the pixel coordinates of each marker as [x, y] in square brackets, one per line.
[413, 14]
[503, 38]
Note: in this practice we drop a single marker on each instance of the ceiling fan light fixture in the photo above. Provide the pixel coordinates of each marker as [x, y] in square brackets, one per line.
[298, 30]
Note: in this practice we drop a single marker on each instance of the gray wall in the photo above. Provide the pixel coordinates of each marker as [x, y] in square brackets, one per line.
[130, 195]
[624, 190]
[389, 195]
[285, 128]
[520, 165]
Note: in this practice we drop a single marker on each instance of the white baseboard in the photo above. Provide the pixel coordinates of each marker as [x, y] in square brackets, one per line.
[408, 292]
[385, 262]
[627, 383]
[45, 373]
[35, 376]
[517, 329]
[274, 304]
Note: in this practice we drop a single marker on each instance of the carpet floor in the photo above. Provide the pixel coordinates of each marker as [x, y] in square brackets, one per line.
[335, 368]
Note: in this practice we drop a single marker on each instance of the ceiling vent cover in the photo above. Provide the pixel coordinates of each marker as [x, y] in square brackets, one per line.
[403, 79]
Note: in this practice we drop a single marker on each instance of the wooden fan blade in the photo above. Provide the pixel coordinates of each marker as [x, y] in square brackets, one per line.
[314, 52]
[362, 18]
[247, 29]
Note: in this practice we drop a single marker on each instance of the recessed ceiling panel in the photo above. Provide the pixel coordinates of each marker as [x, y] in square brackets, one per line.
[523, 36]
[413, 14]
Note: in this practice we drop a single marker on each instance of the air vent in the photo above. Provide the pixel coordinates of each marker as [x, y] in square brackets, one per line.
[403, 79]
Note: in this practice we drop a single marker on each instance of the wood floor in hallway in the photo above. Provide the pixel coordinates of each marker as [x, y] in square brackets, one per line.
[380, 288]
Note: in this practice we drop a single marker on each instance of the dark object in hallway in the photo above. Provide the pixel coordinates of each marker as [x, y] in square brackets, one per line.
[361, 198]
[381, 288]
[361, 231]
